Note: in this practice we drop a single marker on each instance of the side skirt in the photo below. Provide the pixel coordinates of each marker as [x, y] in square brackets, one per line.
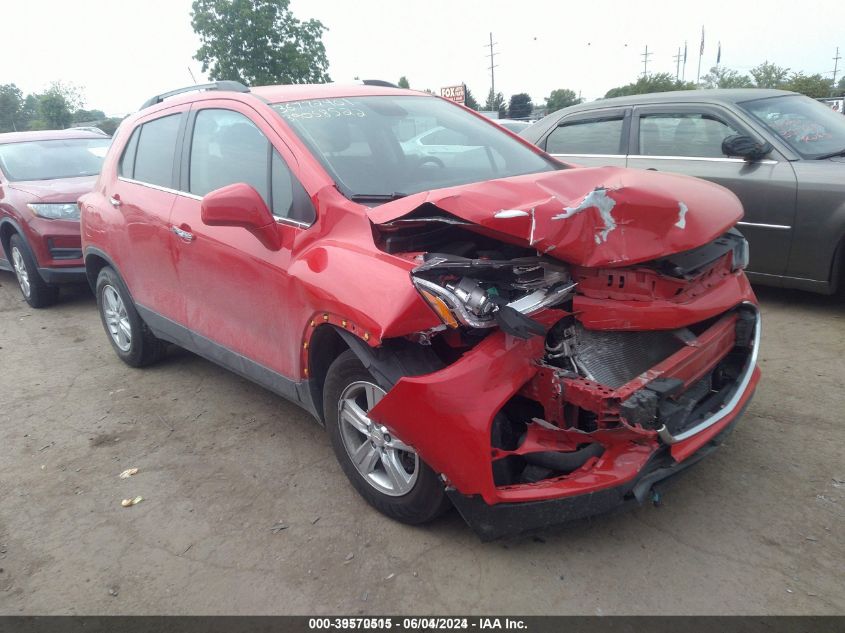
[168, 330]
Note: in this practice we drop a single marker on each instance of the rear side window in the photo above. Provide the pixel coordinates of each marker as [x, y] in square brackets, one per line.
[686, 134]
[227, 148]
[156, 150]
[602, 136]
[127, 161]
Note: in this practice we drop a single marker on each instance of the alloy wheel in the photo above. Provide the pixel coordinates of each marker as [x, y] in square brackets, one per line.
[383, 460]
[117, 319]
[21, 272]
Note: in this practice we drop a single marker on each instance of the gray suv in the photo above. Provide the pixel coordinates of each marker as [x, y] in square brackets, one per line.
[781, 153]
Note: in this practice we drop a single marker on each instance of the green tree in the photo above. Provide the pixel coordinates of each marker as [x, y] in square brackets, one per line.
[469, 99]
[11, 107]
[814, 86]
[840, 88]
[496, 103]
[561, 98]
[768, 75]
[403, 82]
[658, 82]
[56, 106]
[520, 106]
[86, 116]
[258, 42]
[110, 125]
[721, 77]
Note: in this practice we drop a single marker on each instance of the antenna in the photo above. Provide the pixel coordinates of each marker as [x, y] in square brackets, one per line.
[191, 73]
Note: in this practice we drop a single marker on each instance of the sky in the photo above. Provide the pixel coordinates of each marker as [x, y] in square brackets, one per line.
[121, 52]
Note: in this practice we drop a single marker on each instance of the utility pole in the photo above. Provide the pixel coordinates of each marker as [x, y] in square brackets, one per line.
[835, 70]
[684, 67]
[700, 55]
[677, 59]
[491, 55]
[645, 55]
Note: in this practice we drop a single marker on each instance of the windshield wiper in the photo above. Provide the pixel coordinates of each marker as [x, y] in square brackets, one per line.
[841, 152]
[376, 197]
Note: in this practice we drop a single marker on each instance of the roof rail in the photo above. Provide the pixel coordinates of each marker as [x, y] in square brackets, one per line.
[233, 86]
[378, 82]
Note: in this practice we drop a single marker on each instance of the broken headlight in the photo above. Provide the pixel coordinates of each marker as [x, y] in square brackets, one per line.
[741, 254]
[481, 293]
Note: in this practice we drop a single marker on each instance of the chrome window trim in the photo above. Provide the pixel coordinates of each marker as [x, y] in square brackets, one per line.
[779, 227]
[278, 218]
[767, 161]
[731, 405]
[592, 155]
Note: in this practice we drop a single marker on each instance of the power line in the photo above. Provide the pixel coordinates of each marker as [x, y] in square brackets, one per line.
[645, 55]
[491, 55]
[678, 59]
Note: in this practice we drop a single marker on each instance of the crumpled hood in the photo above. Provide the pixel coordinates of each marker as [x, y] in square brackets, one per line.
[602, 216]
[59, 190]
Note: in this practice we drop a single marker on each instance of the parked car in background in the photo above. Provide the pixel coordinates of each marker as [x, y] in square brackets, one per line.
[512, 124]
[42, 174]
[530, 342]
[781, 153]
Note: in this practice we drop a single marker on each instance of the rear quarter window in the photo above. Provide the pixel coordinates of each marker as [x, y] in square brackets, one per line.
[156, 150]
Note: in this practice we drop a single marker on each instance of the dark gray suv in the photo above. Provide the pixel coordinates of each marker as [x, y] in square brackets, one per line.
[781, 153]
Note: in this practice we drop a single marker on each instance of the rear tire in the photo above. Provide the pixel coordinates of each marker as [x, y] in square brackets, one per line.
[131, 339]
[37, 292]
[393, 480]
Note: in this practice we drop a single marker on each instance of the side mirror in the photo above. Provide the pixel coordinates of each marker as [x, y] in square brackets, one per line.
[241, 205]
[745, 147]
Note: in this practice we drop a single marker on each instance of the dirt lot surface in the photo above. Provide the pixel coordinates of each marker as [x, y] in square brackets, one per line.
[756, 528]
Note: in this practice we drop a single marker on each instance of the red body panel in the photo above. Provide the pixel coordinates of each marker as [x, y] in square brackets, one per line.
[265, 304]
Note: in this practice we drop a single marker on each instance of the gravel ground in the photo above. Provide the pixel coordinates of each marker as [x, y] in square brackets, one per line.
[246, 511]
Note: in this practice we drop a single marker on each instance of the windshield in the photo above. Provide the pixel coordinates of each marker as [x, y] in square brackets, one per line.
[388, 146]
[810, 128]
[48, 160]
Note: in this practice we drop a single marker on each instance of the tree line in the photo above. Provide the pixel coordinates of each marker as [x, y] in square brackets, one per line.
[765, 75]
[60, 106]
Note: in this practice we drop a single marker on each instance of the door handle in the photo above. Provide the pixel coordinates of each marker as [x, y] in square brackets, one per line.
[182, 234]
[115, 201]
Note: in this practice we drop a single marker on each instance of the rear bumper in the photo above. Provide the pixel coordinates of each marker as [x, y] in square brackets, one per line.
[491, 522]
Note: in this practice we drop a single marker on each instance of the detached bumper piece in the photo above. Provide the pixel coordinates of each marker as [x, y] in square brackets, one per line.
[492, 522]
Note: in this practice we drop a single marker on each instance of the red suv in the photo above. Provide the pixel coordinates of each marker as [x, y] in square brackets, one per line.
[474, 322]
[42, 174]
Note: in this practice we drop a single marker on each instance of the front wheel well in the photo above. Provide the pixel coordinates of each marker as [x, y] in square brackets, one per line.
[325, 345]
[93, 265]
[6, 233]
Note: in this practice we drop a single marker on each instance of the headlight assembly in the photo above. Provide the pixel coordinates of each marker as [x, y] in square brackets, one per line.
[65, 211]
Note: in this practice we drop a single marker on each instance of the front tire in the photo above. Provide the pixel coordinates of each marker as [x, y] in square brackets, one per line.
[37, 292]
[384, 470]
[129, 336]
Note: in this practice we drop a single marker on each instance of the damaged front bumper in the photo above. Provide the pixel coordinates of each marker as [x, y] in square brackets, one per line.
[620, 440]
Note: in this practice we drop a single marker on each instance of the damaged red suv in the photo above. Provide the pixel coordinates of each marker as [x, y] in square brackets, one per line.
[474, 322]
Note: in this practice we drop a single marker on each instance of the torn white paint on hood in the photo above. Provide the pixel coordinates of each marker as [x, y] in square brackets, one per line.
[597, 199]
[682, 216]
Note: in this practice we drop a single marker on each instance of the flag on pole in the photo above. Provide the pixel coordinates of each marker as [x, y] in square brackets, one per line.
[701, 50]
[719, 54]
[685, 51]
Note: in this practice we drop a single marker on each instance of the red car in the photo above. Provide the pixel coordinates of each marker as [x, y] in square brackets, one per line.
[475, 324]
[42, 174]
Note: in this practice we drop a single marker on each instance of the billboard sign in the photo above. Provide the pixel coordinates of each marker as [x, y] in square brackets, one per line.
[454, 93]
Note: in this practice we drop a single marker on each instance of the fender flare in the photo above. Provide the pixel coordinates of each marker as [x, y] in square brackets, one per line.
[93, 250]
[394, 359]
[6, 221]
